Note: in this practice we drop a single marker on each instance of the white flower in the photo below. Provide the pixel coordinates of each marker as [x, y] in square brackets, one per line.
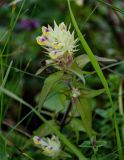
[79, 2]
[51, 147]
[58, 41]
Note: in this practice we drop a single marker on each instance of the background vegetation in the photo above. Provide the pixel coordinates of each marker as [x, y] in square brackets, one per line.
[101, 23]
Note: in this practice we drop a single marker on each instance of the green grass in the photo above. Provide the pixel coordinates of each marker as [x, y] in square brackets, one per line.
[7, 45]
[101, 76]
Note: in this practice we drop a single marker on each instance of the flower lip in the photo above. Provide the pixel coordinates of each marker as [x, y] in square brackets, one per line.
[42, 39]
[37, 140]
[47, 30]
[54, 52]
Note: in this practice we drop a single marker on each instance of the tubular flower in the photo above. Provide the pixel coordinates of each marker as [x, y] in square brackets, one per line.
[57, 41]
[51, 147]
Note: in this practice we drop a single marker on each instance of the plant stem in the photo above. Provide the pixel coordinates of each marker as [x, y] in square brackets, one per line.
[62, 123]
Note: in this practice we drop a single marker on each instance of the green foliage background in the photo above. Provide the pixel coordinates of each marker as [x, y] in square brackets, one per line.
[20, 57]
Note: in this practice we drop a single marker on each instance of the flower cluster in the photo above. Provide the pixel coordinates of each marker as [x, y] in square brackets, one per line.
[51, 147]
[58, 42]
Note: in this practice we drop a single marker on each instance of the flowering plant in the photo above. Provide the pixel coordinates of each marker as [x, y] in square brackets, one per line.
[63, 90]
[59, 43]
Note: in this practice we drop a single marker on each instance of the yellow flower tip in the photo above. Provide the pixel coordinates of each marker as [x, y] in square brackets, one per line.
[37, 140]
[45, 31]
[41, 40]
[57, 45]
[53, 54]
[48, 150]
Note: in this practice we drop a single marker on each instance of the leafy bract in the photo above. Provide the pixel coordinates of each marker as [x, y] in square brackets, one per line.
[48, 84]
[74, 68]
[84, 109]
[83, 60]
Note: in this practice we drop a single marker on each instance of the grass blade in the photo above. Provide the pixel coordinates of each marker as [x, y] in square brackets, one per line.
[1, 95]
[101, 76]
[120, 105]
[7, 74]
[111, 6]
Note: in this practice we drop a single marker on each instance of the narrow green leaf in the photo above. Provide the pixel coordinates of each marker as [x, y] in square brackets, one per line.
[7, 74]
[87, 144]
[26, 155]
[120, 98]
[101, 76]
[74, 68]
[1, 96]
[103, 59]
[48, 84]
[40, 70]
[112, 6]
[91, 93]
[83, 60]
[63, 100]
[86, 115]
[121, 109]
